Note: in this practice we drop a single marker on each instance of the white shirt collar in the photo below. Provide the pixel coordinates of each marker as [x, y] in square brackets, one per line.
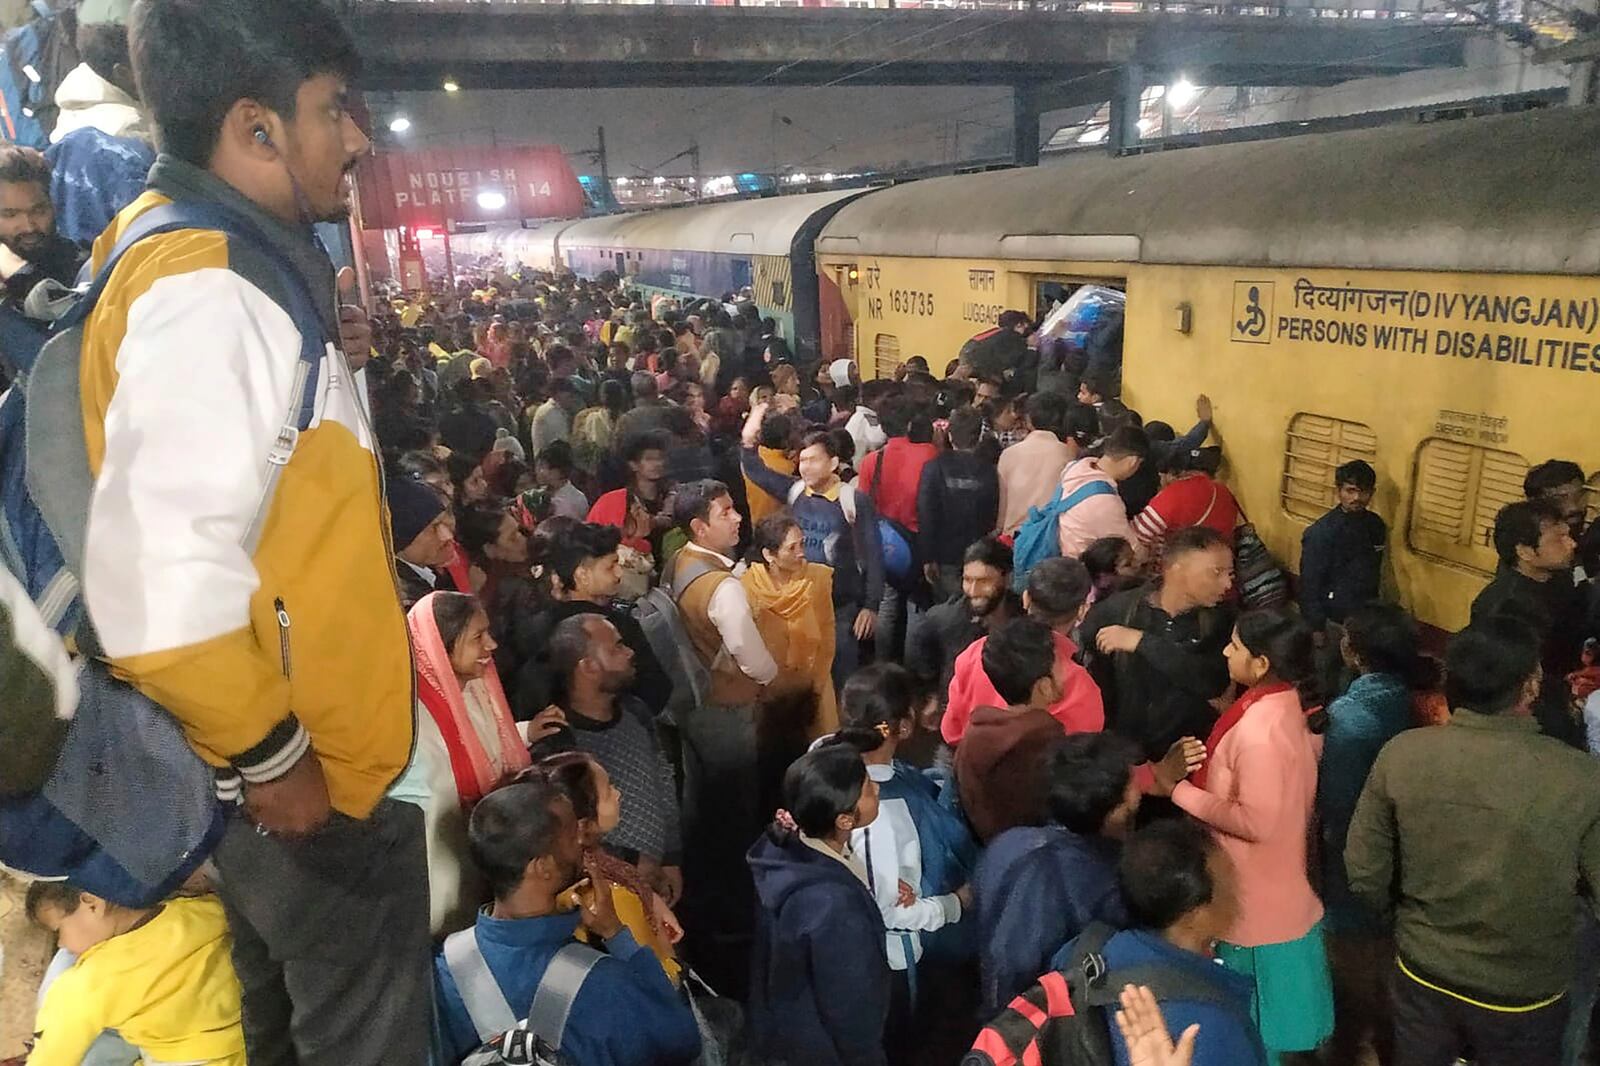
[426, 574]
[714, 554]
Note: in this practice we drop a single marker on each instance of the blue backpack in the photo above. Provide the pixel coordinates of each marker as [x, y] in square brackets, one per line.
[36, 56]
[117, 802]
[1039, 539]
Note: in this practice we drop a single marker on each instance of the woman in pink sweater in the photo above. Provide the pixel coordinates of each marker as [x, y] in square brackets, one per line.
[1256, 792]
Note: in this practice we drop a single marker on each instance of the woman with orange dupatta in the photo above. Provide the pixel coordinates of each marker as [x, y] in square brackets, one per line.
[468, 739]
[792, 601]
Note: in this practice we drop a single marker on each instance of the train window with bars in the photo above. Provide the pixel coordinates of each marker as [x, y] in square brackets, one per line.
[1318, 445]
[886, 354]
[1457, 491]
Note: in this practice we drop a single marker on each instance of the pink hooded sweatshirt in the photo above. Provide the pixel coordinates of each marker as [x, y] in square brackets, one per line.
[1098, 516]
[1080, 709]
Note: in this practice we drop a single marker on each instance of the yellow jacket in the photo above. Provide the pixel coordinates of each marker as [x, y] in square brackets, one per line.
[186, 379]
[167, 987]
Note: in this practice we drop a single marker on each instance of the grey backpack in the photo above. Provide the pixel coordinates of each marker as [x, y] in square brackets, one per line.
[508, 1040]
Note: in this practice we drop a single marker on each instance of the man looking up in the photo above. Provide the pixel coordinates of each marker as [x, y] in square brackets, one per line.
[288, 666]
[722, 779]
[524, 839]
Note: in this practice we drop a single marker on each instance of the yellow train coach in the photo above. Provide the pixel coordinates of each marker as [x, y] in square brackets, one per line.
[1423, 298]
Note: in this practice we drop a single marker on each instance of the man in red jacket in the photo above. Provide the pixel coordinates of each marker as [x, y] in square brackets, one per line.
[891, 476]
[1058, 596]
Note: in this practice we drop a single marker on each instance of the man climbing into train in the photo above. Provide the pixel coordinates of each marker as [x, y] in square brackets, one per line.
[1002, 352]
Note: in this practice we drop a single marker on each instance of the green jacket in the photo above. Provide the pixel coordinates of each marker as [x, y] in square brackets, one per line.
[1476, 838]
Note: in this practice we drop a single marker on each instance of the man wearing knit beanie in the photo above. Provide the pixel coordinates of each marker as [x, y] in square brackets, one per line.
[423, 530]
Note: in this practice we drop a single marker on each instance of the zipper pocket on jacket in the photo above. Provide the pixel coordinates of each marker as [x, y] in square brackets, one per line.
[283, 633]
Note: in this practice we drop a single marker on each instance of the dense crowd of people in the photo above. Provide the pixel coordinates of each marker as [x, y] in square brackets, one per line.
[613, 679]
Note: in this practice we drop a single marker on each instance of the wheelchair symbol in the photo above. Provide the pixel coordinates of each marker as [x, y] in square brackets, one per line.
[1252, 310]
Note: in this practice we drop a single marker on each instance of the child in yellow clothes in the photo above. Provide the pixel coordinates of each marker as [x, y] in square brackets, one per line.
[161, 978]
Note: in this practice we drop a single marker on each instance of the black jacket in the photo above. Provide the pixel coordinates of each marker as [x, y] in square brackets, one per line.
[944, 633]
[1161, 692]
[958, 502]
[1341, 558]
[1555, 610]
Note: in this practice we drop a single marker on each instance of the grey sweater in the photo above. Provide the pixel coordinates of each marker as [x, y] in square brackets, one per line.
[626, 746]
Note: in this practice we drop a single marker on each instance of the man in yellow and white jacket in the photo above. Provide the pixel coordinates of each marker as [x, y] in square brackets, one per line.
[289, 667]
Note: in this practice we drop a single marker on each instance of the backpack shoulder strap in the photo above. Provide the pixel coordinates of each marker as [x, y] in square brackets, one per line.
[1048, 511]
[58, 463]
[847, 500]
[1084, 492]
[686, 570]
[558, 990]
[480, 992]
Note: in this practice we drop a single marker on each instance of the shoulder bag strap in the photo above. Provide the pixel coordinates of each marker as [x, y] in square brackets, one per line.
[1209, 506]
[480, 992]
[558, 990]
[877, 471]
[687, 570]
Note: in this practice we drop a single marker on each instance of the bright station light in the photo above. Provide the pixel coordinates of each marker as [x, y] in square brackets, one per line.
[1182, 92]
[399, 124]
[491, 200]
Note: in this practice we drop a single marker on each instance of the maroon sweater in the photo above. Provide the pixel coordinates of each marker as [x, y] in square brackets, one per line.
[1000, 768]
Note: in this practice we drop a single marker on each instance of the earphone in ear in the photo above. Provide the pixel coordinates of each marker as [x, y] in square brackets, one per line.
[261, 135]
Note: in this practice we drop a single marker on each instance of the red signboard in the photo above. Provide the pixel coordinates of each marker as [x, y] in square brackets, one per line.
[467, 185]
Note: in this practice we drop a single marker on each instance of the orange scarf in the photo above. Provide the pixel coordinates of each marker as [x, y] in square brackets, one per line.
[795, 621]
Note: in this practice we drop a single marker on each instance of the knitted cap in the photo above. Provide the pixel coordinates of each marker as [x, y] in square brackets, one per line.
[412, 508]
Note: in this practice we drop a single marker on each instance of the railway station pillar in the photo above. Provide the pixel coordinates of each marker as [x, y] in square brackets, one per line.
[1026, 98]
[1126, 96]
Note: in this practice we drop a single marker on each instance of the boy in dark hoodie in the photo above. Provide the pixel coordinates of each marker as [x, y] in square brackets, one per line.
[1000, 760]
[1037, 887]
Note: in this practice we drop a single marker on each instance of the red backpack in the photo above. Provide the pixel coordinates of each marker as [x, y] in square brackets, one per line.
[1065, 1019]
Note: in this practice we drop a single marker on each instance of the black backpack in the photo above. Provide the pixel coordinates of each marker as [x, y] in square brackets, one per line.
[1065, 1019]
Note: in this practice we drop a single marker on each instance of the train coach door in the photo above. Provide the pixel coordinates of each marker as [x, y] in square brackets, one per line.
[837, 290]
[1080, 325]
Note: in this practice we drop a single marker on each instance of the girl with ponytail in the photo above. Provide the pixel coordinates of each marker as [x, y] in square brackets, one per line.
[819, 983]
[1256, 790]
[919, 857]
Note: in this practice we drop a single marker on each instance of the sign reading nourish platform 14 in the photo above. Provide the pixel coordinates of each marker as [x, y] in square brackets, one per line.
[1553, 323]
[434, 189]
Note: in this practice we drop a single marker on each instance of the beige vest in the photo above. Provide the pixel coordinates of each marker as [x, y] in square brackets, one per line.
[695, 578]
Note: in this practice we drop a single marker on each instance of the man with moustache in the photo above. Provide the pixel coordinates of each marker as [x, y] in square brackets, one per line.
[287, 660]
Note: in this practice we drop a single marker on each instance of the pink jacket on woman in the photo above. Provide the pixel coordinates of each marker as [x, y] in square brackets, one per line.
[1261, 782]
